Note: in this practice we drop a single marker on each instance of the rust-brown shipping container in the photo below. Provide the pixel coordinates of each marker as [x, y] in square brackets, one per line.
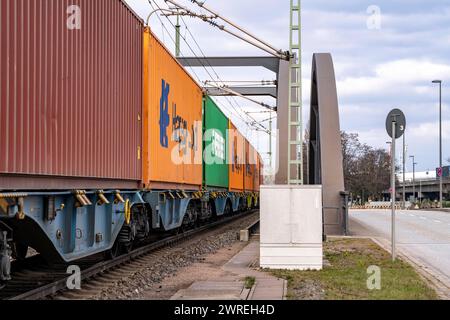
[70, 94]
[236, 153]
[172, 121]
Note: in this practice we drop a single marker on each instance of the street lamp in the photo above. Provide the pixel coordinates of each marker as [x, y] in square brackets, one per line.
[389, 143]
[414, 177]
[440, 139]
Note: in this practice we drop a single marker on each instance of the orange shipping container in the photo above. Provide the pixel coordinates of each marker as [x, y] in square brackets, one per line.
[236, 158]
[250, 167]
[261, 171]
[172, 121]
[258, 173]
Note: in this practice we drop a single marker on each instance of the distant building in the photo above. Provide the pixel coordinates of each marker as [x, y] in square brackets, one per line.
[419, 176]
[425, 186]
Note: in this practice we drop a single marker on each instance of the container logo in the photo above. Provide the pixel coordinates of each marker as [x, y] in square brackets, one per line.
[175, 127]
[164, 119]
[180, 132]
[218, 145]
[214, 152]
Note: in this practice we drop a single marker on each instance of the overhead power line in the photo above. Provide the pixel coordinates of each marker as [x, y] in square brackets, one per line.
[173, 40]
[202, 4]
[228, 90]
[237, 110]
[251, 122]
[249, 38]
[214, 71]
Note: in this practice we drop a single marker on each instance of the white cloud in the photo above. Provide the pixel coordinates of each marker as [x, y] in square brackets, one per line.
[412, 71]
[430, 130]
[391, 76]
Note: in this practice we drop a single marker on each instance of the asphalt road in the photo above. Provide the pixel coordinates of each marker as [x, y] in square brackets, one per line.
[423, 235]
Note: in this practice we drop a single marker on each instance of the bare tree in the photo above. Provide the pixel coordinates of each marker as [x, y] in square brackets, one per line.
[366, 169]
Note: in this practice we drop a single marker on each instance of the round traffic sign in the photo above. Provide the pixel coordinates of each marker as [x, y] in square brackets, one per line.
[399, 118]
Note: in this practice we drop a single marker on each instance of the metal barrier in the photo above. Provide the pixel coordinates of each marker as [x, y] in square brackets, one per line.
[382, 205]
[341, 214]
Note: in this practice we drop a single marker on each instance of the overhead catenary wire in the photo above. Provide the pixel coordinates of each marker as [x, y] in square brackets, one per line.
[265, 111]
[155, 11]
[173, 40]
[202, 4]
[253, 82]
[184, 39]
[266, 120]
[252, 122]
[228, 90]
[255, 41]
[215, 72]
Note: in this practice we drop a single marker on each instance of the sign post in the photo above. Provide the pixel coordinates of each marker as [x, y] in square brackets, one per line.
[395, 127]
[439, 172]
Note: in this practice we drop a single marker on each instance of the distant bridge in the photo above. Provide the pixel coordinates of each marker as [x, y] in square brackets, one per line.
[426, 188]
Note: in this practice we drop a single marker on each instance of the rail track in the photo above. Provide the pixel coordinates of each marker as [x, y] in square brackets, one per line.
[33, 279]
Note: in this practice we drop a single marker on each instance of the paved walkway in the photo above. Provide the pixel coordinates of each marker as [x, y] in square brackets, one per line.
[231, 286]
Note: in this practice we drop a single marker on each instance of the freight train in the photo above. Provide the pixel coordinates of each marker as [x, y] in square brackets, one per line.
[105, 139]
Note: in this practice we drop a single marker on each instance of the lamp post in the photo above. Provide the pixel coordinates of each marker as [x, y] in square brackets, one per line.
[440, 139]
[420, 191]
[414, 177]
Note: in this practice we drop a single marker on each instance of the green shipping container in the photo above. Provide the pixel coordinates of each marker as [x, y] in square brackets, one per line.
[215, 152]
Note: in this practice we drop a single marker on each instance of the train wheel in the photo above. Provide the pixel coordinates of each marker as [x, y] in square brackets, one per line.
[20, 251]
[126, 240]
[228, 209]
[185, 226]
[114, 252]
[127, 247]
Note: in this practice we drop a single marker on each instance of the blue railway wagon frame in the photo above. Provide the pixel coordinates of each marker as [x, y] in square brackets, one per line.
[70, 225]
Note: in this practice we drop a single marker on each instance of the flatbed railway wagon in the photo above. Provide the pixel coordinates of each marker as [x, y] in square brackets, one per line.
[101, 132]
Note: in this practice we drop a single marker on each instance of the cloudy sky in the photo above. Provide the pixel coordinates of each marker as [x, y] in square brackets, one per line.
[381, 62]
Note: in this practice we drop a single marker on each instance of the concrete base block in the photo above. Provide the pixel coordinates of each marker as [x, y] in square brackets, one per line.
[244, 235]
[292, 257]
[291, 227]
